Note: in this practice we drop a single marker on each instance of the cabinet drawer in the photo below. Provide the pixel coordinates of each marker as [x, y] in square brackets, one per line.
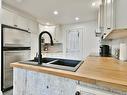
[84, 90]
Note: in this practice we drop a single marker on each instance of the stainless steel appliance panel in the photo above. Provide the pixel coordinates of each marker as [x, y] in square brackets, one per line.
[15, 43]
[10, 57]
[14, 37]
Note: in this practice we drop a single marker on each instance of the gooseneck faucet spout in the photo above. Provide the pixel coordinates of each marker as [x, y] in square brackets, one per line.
[51, 41]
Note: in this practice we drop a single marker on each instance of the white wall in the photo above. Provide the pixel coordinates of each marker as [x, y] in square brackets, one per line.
[0, 49]
[90, 42]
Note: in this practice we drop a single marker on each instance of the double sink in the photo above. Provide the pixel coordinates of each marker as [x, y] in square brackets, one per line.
[64, 64]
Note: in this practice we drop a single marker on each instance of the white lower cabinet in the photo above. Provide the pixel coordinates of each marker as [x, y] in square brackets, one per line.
[85, 90]
[35, 83]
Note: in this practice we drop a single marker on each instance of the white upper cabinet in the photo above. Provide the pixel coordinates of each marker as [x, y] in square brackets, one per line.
[121, 14]
[108, 15]
[12, 19]
[20, 22]
[7, 17]
[55, 31]
[58, 34]
[112, 15]
[32, 26]
[101, 18]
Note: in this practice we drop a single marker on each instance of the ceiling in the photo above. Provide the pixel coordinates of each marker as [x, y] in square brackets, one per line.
[68, 10]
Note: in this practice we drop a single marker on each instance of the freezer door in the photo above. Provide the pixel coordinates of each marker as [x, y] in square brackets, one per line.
[11, 57]
[12, 37]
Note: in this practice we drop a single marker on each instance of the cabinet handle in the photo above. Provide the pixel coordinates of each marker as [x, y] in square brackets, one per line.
[104, 33]
[77, 93]
[108, 28]
[16, 25]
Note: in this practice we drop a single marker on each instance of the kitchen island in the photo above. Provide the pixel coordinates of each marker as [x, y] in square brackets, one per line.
[104, 75]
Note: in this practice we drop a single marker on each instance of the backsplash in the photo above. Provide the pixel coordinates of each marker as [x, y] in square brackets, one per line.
[115, 44]
[57, 47]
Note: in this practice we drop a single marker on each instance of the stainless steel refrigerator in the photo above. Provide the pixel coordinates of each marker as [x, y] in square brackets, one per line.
[15, 45]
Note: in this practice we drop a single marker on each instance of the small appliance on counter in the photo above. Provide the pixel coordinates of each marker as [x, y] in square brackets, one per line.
[105, 51]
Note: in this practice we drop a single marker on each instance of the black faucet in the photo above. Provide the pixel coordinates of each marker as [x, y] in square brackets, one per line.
[51, 41]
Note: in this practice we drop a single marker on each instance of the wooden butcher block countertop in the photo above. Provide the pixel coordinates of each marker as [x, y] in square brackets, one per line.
[95, 69]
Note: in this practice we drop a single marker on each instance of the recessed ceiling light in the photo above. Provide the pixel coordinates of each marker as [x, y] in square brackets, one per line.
[55, 12]
[77, 18]
[47, 23]
[93, 4]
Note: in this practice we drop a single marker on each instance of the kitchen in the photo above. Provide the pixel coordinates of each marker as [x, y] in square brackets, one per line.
[88, 56]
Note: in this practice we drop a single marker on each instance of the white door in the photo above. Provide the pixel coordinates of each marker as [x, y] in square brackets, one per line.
[74, 43]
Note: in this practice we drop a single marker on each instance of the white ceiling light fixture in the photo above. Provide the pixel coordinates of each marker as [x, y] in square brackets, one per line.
[77, 18]
[55, 12]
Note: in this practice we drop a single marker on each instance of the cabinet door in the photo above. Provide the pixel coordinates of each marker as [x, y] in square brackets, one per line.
[121, 14]
[46, 84]
[7, 17]
[21, 22]
[19, 88]
[58, 34]
[108, 15]
[101, 18]
[32, 27]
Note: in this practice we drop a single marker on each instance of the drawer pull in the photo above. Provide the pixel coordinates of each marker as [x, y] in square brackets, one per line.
[77, 93]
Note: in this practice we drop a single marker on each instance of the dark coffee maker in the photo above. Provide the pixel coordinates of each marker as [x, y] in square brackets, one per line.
[104, 50]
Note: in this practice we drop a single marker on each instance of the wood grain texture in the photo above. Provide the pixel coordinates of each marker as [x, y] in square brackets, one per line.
[93, 70]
